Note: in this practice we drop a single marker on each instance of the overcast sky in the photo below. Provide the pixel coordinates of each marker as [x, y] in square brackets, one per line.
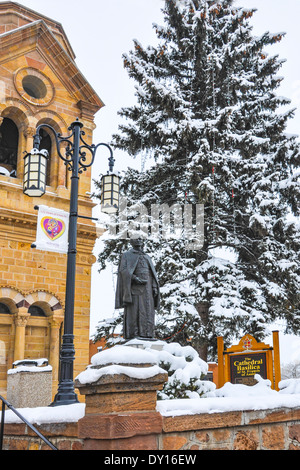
[100, 31]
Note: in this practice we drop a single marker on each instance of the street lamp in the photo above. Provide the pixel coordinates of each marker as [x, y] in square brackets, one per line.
[75, 158]
[35, 172]
[110, 184]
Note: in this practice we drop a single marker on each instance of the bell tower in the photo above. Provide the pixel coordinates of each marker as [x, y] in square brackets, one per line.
[40, 83]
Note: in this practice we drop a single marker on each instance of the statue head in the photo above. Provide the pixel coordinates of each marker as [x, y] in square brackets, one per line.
[137, 243]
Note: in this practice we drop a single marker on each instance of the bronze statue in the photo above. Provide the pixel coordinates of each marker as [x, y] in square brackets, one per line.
[137, 292]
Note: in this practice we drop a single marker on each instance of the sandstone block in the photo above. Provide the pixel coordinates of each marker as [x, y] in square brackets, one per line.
[119, 426]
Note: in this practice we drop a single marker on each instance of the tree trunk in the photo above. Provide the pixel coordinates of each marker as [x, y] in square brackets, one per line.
[201, 344]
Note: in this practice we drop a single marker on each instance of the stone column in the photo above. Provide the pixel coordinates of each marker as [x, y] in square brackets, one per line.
[120, 411]
[29, 133]
[55, 324]
[21, 319]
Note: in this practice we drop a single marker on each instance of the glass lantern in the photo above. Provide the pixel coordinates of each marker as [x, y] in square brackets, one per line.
[35, 173]
[110, 184]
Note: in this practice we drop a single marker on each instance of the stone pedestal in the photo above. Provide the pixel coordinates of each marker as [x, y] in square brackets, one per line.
[121, 402]
[29, 387]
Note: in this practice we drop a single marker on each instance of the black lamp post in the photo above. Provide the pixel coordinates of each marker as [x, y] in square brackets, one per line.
[75, 159]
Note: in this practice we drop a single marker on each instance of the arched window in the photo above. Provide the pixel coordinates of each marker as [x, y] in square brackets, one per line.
[9, 139]
[36, 311]
[46, 145]
[4, 308]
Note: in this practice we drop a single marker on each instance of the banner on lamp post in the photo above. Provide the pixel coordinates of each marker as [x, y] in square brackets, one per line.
[52, 230]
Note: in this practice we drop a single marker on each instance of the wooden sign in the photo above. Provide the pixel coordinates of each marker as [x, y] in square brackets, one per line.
[239, 363]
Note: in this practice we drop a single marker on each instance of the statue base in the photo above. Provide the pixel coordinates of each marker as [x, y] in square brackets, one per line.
[121, 400]
[145, 343]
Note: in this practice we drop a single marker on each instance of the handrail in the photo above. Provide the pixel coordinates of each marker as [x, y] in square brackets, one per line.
[5, 402]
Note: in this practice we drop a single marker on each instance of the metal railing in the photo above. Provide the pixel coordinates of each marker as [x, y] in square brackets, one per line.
[6, 403]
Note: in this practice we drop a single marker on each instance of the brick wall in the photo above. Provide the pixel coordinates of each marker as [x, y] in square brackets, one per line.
[248, 430]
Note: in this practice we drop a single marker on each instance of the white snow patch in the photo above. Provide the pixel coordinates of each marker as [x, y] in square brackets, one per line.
[91, 375]
[48, 414]
[227, 404]
[123, 355]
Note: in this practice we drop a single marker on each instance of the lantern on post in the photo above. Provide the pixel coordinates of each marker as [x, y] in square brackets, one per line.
[35, 172]
[110, 184]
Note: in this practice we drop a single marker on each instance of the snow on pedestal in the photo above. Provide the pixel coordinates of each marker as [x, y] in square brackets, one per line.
[122, 378]
[185, 368]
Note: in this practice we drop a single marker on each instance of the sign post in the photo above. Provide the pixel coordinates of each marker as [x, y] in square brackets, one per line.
[239, 363]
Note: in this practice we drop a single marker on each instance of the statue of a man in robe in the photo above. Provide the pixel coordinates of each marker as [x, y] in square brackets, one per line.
[137, 292]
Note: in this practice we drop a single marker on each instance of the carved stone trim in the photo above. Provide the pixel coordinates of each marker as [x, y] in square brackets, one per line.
[21, 319]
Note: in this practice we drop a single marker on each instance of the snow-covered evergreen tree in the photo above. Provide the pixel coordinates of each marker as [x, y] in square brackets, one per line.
[208, 115]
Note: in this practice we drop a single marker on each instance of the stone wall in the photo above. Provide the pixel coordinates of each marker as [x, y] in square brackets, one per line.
[248, 430]
[62, 435]
[241, 430]
[121, 413]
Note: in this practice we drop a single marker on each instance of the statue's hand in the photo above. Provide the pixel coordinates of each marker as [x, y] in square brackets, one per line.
[137, 280]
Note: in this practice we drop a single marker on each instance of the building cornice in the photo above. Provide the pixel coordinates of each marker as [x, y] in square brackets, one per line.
[26, 14]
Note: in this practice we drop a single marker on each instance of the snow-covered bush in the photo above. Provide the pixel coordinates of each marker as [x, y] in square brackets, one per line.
[185, 369]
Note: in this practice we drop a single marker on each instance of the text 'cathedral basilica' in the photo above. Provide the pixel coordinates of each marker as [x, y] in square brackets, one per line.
[39, 84]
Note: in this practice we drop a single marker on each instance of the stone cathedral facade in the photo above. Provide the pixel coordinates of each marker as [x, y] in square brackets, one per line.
[40, 83]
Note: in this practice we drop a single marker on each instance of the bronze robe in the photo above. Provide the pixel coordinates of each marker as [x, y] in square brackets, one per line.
[138, 300]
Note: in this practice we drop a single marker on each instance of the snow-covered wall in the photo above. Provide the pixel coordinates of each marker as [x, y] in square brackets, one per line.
[276, 429]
